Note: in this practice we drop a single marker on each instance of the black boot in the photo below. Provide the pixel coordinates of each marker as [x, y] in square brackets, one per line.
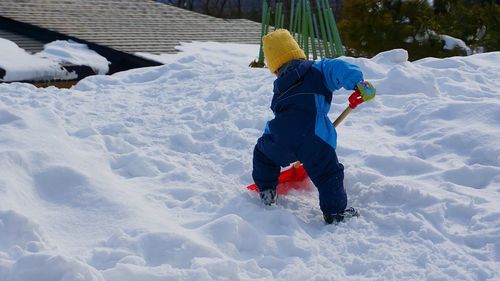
[341, 216]
[268, 196]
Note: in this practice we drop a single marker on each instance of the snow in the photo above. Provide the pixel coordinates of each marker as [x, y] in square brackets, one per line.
[452, 42]
[75, 53]
[141, 175]
[19, 65]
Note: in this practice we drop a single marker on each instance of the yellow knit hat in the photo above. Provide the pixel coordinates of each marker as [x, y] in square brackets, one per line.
[280, 48]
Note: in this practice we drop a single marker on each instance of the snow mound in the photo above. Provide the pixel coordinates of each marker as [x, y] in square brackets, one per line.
[52, 267]
[396, 56]
[19, 234]
[141, 175]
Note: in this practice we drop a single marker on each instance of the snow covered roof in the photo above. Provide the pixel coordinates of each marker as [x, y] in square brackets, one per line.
[60, 60]
[129, 26]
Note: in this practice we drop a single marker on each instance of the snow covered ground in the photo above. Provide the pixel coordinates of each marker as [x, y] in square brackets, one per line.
[141, 176]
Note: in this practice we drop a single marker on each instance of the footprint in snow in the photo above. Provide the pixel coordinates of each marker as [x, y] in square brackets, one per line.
[8, 118]
[62, 185]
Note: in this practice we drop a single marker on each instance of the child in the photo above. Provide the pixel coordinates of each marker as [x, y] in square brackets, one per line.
[301, 129]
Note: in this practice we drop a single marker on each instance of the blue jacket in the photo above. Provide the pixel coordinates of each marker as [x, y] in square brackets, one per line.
[302, 98]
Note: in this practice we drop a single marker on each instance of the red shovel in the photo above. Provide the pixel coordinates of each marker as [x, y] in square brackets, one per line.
[296, 177]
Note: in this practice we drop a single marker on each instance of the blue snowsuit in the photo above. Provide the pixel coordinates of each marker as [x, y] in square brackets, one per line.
[301, 129]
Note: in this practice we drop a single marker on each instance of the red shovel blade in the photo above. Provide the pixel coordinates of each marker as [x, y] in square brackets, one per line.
[293, 178]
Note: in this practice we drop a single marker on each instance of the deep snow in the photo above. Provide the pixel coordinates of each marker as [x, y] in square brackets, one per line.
[141, 175]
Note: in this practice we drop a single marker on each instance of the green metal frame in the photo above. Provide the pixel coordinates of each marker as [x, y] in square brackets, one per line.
[315, 32]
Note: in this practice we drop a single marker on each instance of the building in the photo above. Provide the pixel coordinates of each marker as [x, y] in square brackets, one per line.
[117, 29]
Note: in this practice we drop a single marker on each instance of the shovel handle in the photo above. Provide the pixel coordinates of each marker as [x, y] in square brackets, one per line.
[342, 116]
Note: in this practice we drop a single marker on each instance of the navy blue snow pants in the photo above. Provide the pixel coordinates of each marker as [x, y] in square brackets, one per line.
[319, 160]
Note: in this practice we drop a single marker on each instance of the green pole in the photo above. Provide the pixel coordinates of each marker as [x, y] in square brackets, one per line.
[311, 30]
[281, 16]
[262, 31]
[305, 30]
[324, 35]
[295, 18]
[316, 31]
[298, 24]
[305, 46]
[328, 25]
[326, 5]
[268, 19]
[292, 7]
[336, 35]
[329, 33]
[276, 17]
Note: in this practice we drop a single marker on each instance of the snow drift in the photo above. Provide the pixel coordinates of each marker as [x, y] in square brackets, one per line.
[141, 176]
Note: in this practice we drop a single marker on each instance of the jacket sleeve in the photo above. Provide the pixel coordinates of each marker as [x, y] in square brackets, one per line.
[339, 74]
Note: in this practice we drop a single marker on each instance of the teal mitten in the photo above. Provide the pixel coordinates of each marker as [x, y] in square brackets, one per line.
[366, 90]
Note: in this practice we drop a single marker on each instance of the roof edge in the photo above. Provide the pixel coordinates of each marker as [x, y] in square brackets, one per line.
[120, 61]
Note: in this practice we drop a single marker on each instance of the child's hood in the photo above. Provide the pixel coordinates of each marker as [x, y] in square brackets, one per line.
[290, 74]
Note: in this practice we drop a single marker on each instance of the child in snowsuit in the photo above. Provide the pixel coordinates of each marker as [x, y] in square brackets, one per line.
[301, 129]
